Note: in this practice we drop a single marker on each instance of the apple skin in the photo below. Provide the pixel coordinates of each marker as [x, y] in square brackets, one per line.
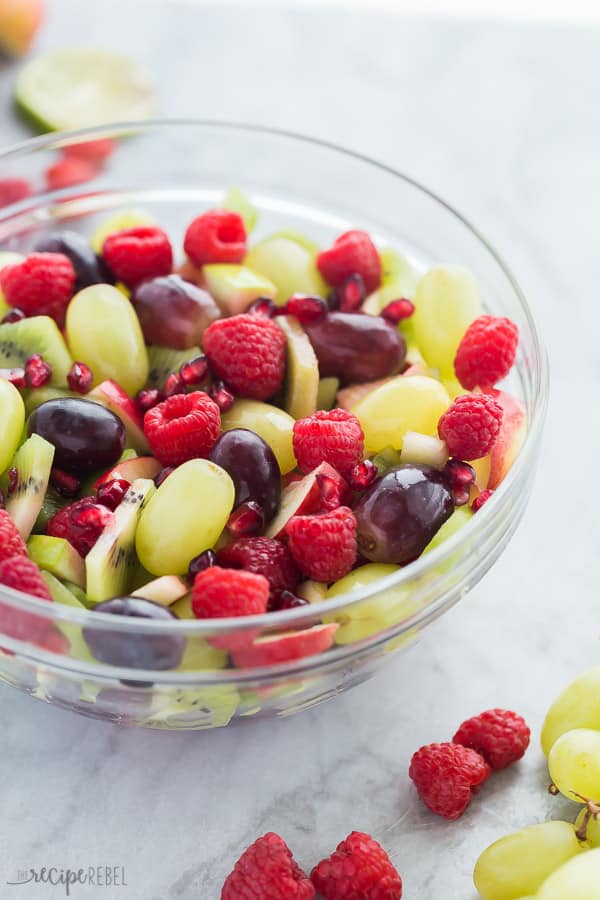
[284, 647]
[130, 469]
[19, 23]
[112, 395]
[510, 439]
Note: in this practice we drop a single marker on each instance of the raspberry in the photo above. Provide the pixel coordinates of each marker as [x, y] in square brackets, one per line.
[69, 171]
[22, 574]
[221, 593]
[11, 542]
[81, 524]
[335, 437]
[499, 735]
[446, 775]
[470, 426]
[360, 869]
[263, 556]
[14, 189]
[138, 253]
[41, 285]
[217, 236]
[324, 547]
[267, 871]
[486, 352]
[353, 253]
[182, 427]
[93, 151]
[247, 352]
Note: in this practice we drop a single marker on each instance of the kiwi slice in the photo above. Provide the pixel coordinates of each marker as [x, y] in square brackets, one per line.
[164, 361]
[40, 334]
[199, 708]
[53, 502]
[302, 384]
[111, 564]
[57, 556]
[62, 593]
[33, 463]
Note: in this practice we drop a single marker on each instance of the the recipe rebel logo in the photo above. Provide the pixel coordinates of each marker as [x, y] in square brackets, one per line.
[91, 876]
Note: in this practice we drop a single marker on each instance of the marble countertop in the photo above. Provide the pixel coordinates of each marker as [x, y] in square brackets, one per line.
[504, 123]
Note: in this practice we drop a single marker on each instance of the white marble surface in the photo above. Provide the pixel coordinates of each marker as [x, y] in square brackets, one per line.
[504, 122]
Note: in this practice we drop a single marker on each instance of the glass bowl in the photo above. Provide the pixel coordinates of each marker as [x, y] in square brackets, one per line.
[174, 170]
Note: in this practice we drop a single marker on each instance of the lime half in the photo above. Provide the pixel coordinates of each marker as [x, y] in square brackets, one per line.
[74, 88]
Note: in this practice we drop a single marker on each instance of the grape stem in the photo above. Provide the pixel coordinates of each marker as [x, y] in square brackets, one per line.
[592, 811]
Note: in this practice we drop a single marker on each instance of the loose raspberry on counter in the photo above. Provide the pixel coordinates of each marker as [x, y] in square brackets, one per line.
[333, 436]
[359, 868]
[41, 285]
[217, 236]
[446, 776]
[69, 171]
[499, 735]
[267, 871]
[221, 593]
[182, 427]
[486, 352]
[263, 556]
[471, 425]
[248, 353]
[323, 547]
[81, 524]
[353, 253]
[11, 542]
[22, 574]
[14, 189]
[138, 253]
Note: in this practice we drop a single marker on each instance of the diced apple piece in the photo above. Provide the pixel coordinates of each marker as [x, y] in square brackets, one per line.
[284, 647]
[294, 497]
[302, 384]
[19, 23]
[130, 470]
[511, 438]
[112, 395]
[164, 590]
[235, 287]
[424, 449]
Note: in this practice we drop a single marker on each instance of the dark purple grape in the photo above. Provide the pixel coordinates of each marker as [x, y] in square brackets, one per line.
[85, 262]
[401, 512]
[253, 468]
[173, 312]
[355, 347]
[86, 436]
[133, 650]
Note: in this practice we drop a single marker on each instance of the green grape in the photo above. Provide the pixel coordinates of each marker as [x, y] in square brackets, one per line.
[574, 764]
[289, 265]
[119, 221]
[401, 405]
[588, 823]
[272, 424]
[577, 707]
[12, 417]
[446, 302]
[460, 517]
[577, 879]
[104, 332]
[196, 500]
[521, 862]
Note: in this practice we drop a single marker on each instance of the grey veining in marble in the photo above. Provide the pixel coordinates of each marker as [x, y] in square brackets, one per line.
[504, 123]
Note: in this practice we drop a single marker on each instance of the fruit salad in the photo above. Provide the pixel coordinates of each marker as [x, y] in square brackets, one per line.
[236, 428]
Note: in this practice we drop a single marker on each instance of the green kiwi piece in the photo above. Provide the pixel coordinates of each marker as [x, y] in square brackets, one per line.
[33, 463]
[111, 563]
[57, 556]
[164, 361]
[61, 593]
[39, 334]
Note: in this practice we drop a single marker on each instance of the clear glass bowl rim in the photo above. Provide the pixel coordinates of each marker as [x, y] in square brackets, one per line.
[294, 618]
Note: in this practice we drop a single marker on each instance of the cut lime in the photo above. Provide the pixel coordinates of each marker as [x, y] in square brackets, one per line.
[77, 87]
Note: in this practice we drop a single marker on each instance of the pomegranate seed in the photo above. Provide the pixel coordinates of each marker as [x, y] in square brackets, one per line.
[15, 376]
[461, 496]
[163, 475]
[483, 497]
[459, 473]
[287, 600]
[13, 480]
[305, 308]
[398, 310]
[112, 492]
[200, 563]
[351, 294]
[66, 485]
[13, 315]
[248, 518]
[37, 372]
[363, 474]
[222, 396]
[80, 378]
[330, 492]
[174, 385]
[263, 306]
[194, 371]
[149, 398]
